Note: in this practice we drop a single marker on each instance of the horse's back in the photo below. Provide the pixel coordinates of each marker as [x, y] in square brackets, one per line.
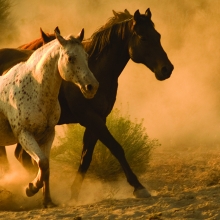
[11, 56]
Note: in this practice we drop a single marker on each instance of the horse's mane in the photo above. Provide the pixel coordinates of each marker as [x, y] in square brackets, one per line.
[115, 26]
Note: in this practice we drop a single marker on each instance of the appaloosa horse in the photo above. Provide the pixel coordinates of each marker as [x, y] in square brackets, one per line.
[9, 57]
[29, 106]
[122, 38]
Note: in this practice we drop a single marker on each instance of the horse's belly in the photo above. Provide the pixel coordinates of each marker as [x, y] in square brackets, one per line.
[6, 135]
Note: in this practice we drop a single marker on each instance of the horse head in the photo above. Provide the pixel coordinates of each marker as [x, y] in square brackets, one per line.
[145, 46]
[73, 64]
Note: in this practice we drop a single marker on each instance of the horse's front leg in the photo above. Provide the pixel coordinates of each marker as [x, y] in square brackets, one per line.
[46, 144]
[41, 156]
[96, 124]
[89, 141]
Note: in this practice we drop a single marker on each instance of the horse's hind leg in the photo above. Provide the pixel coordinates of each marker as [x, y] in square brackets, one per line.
[30, 145]
[4, 164]
[25, 159]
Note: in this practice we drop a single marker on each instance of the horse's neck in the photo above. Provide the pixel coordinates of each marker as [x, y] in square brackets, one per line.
[116, 59]
[46, 73]
[111, 61]
[114, 56]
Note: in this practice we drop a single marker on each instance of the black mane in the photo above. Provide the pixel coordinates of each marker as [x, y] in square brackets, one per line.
[115, 27]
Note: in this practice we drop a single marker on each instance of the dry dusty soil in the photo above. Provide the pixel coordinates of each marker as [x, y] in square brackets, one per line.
[183, 186]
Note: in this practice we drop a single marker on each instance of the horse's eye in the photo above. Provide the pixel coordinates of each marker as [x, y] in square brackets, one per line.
[70, 59]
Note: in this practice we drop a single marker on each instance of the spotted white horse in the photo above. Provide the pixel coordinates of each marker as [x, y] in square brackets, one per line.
[29, 107]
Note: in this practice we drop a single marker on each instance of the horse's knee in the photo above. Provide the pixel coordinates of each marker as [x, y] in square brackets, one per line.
[44, 164]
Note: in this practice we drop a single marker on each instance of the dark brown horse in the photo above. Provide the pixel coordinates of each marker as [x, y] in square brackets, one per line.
[109, 49]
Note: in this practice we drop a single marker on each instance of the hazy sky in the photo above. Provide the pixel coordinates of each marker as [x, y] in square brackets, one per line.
[183, 110]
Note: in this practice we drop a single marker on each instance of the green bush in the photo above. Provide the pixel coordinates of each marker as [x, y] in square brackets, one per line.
[131, 135]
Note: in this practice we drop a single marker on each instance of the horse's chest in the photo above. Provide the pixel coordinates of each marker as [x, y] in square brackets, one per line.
[35, 119]
[105, 98]
[40, 114]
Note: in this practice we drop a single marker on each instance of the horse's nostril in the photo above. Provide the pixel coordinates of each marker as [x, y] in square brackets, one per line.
[164, 70]
[89, 87]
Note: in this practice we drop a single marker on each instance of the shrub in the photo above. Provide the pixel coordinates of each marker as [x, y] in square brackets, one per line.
[131, 135]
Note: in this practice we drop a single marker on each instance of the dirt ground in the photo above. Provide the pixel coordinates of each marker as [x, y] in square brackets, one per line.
[182, 185]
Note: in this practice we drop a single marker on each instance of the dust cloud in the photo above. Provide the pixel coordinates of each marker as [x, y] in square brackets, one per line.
[180, 111]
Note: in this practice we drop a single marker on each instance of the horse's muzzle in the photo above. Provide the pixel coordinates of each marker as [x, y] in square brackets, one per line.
[165, 72]
[89, 90]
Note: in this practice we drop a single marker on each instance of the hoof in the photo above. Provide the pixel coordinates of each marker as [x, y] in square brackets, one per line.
[49, 204]
[31, 190]
[71, 202]
[141, 193]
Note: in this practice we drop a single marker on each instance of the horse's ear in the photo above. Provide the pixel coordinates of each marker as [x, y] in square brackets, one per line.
[58, 30]
[114, 13]
[80, 36]
[44, 37]
[148, 13]
[61, 40]
[137, 15]
[127, 12]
